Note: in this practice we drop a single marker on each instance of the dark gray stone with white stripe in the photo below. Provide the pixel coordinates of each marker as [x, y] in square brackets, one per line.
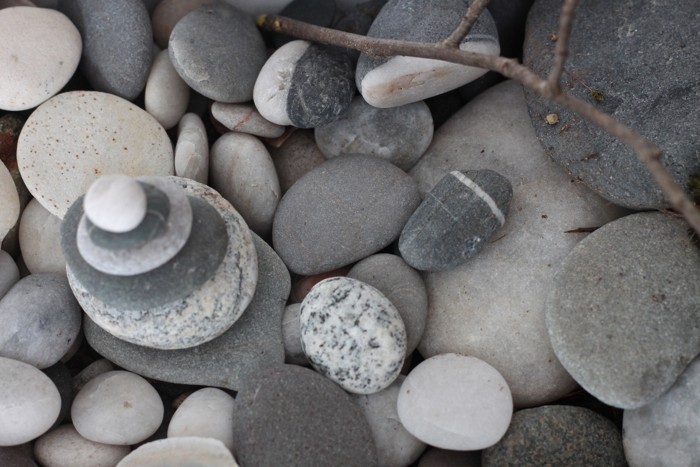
[455, 220]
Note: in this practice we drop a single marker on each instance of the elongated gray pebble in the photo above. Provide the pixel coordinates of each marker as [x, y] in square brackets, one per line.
[167, 95]
[192, 149]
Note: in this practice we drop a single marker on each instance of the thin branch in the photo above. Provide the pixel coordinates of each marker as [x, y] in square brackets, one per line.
[648, 152]
[473, 12]
[561, 52]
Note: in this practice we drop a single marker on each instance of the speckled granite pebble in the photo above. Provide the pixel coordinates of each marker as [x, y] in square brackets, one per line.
[64, 446]
[352, 334]
[180, 452]
[557, 435]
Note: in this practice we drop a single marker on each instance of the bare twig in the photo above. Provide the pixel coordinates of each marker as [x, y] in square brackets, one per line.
[561, 52]
[473, 12]
[648, 152]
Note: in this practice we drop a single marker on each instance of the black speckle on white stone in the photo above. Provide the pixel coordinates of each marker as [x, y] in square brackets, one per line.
[352, 334]
[455, 220]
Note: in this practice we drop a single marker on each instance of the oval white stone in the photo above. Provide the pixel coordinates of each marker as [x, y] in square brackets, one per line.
[115, 203]
[455, 402]
[207, 413]
[64, 446]
[40, 240]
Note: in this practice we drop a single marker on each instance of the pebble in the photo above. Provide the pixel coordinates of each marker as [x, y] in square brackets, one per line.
[64, 446]
[254, 342]
[192, 149]
[395, 81]
[94, 369]
[206, 413]
[40, 50]
[666, 431]
[352, 334]
[107, 135]
[396, 447]
[167, 95]
[166, 308]
[41, 320]
[10, 208]
[641, 74]
[9, 272]
[117, 44]
[218, 51]
[242, 170]
[40, 240]
[290, 415]
[342, 211]
[455, 402]
[304, 85]
[180, 452]
[295, 157]
[623, 313]
[115, 203]
[29, 402]
[302, 285]
[291, 333]
[557, 435]
[399, 134]
[166, 15]
[510, 278]
[245, 118]
[117, 407]
[457, 218]
[404, 288]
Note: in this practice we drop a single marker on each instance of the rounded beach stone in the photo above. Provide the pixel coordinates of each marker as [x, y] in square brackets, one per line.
[167, 95]
[94, 369]
[180, 452]
[40, 50]
[632, 281]
[666, 431]
[29, 402]
[455, 402]
[9, 272]
[118, 408]
[304, 84]
[192, 149]
[394, 81]
[41, 320]
[291, 332]
[40, 240]
[115, 203]
[297, 156]
[64, 446]
[245, 118]
[402, 285]
[10, 207]
[290, 415]
[400, 134]
[218, 51]
[342, 211]
[557, 435]
[396, 447]
[107, 135]
[243, 172]
[207, 413]
[166, 15]
[624, 78]
[117, 44]
[352, 334]
[456, 219]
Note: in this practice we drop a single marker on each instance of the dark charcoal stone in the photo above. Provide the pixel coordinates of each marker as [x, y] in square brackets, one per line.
[455, 220]
[557, 435]
[292, 416]
[624, 63]
[318, 12]
[254, 341]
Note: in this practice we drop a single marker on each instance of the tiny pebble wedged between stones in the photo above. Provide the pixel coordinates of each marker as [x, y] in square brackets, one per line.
[298, 155]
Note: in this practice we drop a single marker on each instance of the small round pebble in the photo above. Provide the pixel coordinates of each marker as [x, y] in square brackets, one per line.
[180, 452]
[192, 149]
[455, 402]
[115, 203]
[9, 272]
[40, 240]
[353, 334]
[167, 95]
[207, 413]
[117, 407]
[29, 402]
[298, 155]
[64, 446]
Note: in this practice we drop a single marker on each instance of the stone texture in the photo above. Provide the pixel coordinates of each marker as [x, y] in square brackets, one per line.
[117, 44]
[295, 157]
[399, 134]
[352, 334]
[342, 211]
[40, 240]
[9, 273]
[492, 307]
[457, 218]
[624, 310]
[245, 118]
[435, 457]
[218, 51]
[17, 456]
[227, 361]
[166, 15]
[641, 74]
[192, 149]
[180, 452]
[107, 135]
[40, 50]
[167, 95]
[64, 446]
[557, 435]
[292, 416]
[207, 413]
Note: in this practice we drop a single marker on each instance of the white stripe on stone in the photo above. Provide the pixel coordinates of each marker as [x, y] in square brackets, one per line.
[481, 194]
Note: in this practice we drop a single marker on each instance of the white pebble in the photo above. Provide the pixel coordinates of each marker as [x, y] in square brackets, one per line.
[207, 413]
[40, 240]
[115, 203]
[180, 452]
[192, 149]
[64, 446]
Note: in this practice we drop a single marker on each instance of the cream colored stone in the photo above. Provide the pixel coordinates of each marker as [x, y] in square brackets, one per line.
[64, 446]
[180, 452]
[207, 413]
[40, 240]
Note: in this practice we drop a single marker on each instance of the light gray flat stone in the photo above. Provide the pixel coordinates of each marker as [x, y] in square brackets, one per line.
[167, 95]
